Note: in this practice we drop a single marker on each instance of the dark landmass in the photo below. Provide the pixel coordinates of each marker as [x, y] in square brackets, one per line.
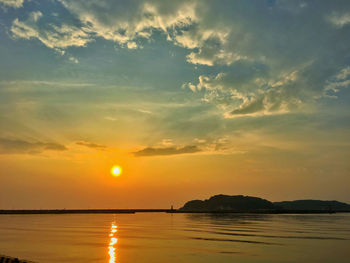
[240, 203]
[313, 205]
[83, 211]
[226, 202]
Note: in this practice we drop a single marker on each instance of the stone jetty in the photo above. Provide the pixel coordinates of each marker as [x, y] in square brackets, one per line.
[5, 259]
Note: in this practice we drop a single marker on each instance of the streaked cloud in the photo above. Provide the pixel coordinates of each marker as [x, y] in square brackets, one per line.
[91, 145]
[145, 111]
[150, 151]
[20, 146]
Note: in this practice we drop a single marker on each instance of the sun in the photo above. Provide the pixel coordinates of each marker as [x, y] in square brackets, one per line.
[116, 170]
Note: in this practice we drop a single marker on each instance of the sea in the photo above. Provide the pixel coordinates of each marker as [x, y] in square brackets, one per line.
[187, 238]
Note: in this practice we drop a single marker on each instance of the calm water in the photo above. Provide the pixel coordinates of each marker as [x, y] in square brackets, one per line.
[158, 237]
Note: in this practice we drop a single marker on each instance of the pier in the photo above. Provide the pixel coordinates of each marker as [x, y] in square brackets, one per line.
[5, 259]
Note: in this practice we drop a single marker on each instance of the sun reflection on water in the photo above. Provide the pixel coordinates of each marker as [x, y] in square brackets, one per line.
[112, 244]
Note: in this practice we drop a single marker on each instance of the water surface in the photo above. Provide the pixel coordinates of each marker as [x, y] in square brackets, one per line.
[160, 237]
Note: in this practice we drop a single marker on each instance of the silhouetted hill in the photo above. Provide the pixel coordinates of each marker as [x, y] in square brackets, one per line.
[242, 203]
[229, 203]
[313, 205]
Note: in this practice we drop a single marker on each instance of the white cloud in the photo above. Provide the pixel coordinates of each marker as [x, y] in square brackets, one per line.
[145, 111]
[210, 56]
[12, 3]
[131, 45]
[127, 26]
[260, 96]
[340, 80]
[267, 67]
[107, 20]
[73, 59]
[211, 45]
[108, 118]
[55, 37]
[339, 20]
[343, 74]
[124, 26]
[284, 79]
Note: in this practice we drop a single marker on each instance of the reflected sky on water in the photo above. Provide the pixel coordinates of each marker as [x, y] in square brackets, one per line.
[158, 237]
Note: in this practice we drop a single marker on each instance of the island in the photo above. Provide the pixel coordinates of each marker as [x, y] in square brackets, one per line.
[241, 203]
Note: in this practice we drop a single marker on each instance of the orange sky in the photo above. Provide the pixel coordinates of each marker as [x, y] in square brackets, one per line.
[191, 99]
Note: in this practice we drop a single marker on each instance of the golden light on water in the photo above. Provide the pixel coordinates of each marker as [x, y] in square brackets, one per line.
[112, 244]
[116, 170]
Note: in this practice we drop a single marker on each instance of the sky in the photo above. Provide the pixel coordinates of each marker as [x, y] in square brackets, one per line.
[189, 98]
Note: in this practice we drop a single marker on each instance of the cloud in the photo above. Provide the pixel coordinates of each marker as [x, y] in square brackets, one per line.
[73, 59]
[210, 45]
[129, 25]
[12, 3]
[18, 146]
[339, 20]
[23, 86]
[126, 24]
[210, 56]
[91, 145]
[335, 83]
[57, 37]
[110, 118]
[145, 111]
[149, 151]
[343, 74]
[251, 92]
[259, 63]
[274, 67]
[213, 145]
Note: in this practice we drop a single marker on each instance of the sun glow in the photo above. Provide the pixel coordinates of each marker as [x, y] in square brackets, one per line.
[116, 170]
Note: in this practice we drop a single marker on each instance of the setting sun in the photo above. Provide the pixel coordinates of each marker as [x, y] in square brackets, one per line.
[116, 170]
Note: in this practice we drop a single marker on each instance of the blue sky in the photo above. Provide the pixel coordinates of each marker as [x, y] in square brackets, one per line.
[261, 83]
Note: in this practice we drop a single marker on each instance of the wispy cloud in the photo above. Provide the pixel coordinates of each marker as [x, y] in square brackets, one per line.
[137, 20]
[254, 94]
[57, 37]
[12, 3]
[91, 145]
[150, 151]
[23, 86]
[19, 146]
[339, 19]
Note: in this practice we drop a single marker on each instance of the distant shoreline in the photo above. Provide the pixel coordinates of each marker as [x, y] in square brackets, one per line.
[133, 211]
